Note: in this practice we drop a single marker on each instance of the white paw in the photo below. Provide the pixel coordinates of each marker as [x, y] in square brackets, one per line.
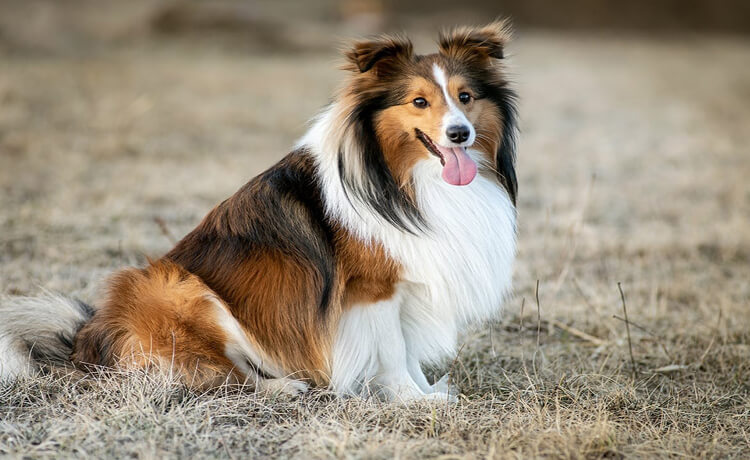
[282, 386]
[444, 386]
[441, 397]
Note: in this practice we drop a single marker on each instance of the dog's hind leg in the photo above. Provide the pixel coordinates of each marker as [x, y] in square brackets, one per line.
[166, 318]
[249, 358]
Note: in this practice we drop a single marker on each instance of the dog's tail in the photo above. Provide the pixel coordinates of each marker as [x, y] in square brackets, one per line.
[38, 331]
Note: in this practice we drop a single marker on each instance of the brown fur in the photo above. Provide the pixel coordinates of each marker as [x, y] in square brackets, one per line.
[476, 44]
[487, 122]
[369, 275]
[158, 315]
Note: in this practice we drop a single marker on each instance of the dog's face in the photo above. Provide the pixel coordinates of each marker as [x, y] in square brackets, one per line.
[433, 107]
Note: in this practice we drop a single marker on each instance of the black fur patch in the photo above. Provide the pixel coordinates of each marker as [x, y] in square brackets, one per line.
[264, 216]
[487, 86]
[379, 189]
[505, 158]
[58, 350]
[300, 184]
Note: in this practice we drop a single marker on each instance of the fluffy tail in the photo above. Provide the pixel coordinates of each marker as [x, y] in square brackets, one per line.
[36, 331]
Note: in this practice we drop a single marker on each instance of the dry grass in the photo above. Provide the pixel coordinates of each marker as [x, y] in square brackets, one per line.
[633, 168]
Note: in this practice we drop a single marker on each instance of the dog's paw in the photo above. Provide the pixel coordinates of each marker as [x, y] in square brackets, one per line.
[441, 397]
[444, 386]
[283, 386]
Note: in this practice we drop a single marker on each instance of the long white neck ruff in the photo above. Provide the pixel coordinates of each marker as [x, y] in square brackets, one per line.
[461, 266]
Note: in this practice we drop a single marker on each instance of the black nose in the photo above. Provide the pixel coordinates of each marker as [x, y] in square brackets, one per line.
[457, 133]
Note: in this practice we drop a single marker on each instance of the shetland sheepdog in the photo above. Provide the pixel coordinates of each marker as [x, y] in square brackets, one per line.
[351, 263]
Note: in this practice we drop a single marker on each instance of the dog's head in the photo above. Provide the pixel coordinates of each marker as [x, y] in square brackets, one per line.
[452, 107]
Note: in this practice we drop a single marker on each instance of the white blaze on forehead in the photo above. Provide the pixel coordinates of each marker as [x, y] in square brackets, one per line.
[454, 115]
[441, 80]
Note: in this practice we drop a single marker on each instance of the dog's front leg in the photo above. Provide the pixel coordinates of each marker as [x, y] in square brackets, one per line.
[370, 354]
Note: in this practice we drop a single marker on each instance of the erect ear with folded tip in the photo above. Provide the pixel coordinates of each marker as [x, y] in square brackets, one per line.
[381, 54]
[476, 43]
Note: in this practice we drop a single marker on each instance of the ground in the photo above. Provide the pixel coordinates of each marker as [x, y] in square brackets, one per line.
[633, 166]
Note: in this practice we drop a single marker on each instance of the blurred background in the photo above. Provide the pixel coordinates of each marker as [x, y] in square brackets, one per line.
[70, 25]
[123, 123]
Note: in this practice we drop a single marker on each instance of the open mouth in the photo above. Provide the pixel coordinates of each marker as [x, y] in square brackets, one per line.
[458, 167]
[429, 145]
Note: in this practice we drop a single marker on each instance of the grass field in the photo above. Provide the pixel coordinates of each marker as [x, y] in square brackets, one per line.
[633, 168]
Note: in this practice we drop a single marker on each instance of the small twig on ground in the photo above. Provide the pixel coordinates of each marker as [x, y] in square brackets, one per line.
[713, 338]
[658, 339]
[538, 332]
[454, 364]
[627, 327]
[164, 229]
[538, 315]
[577, 332]
[454, 368]
[670, 369]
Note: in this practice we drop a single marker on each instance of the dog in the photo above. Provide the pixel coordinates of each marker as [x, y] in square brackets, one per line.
[351, 263]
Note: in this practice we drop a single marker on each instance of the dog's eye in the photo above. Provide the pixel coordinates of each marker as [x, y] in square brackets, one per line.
[464, 97]
[420, 103]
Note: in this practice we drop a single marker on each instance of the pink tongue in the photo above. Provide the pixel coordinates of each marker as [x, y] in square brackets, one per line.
[459, 168]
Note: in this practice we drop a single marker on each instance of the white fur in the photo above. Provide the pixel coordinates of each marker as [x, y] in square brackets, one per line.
[370, 353]
[14, 359]
[241, 351]
[454, 115]
[35, 322]
[457, 273]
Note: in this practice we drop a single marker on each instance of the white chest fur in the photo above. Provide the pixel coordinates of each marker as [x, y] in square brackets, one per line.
[465, 261]
[458, 272]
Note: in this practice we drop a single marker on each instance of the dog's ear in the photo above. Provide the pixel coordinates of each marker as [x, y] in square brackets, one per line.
[381, 54]
[476, 43]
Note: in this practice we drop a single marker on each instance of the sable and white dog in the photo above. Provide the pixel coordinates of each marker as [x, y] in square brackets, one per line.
[352, 262]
